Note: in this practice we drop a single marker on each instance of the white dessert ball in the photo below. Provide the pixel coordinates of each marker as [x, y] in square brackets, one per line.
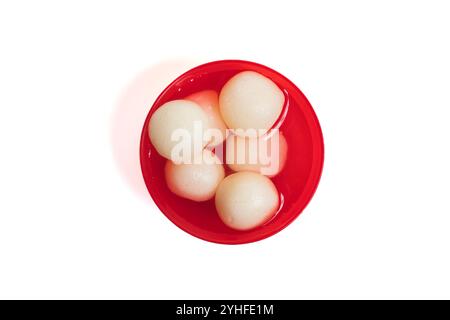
[250, 100]
[245, 200]
[265, 155]
[174, 115]
[197, 182]
[209, 101]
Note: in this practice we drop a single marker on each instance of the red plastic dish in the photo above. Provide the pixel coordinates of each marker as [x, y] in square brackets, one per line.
[296, 183]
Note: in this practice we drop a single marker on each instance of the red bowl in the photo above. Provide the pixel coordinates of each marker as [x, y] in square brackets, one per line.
[296, 183]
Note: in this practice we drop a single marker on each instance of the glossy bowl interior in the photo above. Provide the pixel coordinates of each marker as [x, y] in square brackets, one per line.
[296, 183]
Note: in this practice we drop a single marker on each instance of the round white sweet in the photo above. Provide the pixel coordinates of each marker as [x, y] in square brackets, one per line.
[265, 155]
[175, 115]
[250, 101]
[197, 182]
[245, 200]
[208, 100]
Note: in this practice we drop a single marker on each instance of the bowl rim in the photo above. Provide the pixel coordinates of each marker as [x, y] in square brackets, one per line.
[311, 185]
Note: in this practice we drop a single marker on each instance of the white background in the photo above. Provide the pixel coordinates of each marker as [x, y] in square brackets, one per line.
[77, 79]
